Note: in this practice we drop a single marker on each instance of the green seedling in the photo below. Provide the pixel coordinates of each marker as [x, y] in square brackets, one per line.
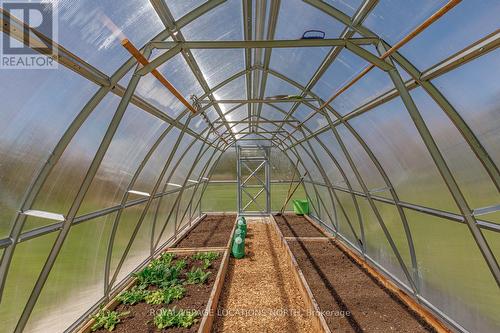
[205, 255]
[107, 319]
[166, 258]
[133, 296]
[165, 296]
[161, 274]
[197, 276]
[175, 318]
[207, 264]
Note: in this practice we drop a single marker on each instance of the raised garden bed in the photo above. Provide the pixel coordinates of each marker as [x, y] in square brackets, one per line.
[296, 226]
[212, 231]
[186, 297]
[349, 296]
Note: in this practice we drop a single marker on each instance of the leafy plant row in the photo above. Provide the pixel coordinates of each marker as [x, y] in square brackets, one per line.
[163, 273]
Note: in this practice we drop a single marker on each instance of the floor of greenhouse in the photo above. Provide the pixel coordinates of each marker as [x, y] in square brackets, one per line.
[260, 292]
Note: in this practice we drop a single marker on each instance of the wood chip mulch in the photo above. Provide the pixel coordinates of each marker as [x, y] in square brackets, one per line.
[260, 292]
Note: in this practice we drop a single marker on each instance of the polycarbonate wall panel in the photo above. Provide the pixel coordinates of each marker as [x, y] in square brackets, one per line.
[125, 228]
[33, 120]
[376, 244]
[63, 182]
[164, 220]
[25, 267]
[454, 275]
[474, 181]
[365, 166]
[389, 132]
[220, 197]
[75, 282]
[225, 169]
[151, 171]
[298, 64]
[478, 104]
[330, 141]
[281, 192]
[135, 135]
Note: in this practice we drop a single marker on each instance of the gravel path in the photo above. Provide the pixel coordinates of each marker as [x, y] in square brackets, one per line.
[260, 293]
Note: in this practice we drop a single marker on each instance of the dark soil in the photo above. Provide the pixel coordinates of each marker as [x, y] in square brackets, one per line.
[351, 299]
[213, 231]
[296, 226]
[140, 318]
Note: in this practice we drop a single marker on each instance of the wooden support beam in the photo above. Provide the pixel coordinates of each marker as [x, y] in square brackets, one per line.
[143, 61]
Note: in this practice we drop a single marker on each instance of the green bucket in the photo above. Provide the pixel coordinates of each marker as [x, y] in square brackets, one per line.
[301, 207]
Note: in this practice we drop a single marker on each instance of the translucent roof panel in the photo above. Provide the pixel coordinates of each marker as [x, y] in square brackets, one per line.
[304, 17]
[392, 19]
[464, 25]
[222, 23]
[93, 29]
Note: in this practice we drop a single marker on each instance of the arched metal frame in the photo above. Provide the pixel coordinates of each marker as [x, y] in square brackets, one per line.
[256, 77]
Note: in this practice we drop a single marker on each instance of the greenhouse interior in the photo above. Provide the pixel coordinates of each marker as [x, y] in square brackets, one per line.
[250, 166]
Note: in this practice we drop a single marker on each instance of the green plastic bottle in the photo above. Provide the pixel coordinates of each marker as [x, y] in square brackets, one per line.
[238, 249]
[242, 226]
[243, 219]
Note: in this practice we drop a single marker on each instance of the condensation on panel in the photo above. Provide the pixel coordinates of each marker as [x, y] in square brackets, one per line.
[27, 262]
[75, 282]
[33, 120]
[454, 274]
[389, 132]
